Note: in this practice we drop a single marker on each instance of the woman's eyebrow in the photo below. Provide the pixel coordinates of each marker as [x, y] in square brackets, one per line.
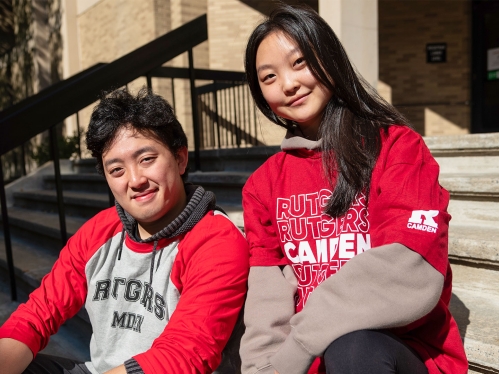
[269, 66]
[263, 67]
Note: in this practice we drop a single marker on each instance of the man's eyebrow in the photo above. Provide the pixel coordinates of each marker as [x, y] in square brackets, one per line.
[145, 149]
[135, 154]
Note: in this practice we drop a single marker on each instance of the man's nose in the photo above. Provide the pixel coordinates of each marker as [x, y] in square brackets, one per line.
[137, 178]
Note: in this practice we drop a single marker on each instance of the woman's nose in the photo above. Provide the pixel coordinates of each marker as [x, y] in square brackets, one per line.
[290, 84]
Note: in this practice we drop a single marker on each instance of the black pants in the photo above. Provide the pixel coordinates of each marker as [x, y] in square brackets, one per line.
[372, 352]
[45, 364]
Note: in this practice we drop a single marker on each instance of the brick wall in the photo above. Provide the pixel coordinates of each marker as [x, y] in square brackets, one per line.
[181, 12]
[230, 23]
[111, 29]
[435, 97]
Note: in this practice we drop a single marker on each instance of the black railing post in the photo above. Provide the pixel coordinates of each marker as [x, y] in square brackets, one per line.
[195, 117]
[23, 160]
[149, 82]
[6, 236]
[78, 134]
[217, 116]
[237, 106]
[173, 95]
[58, 183]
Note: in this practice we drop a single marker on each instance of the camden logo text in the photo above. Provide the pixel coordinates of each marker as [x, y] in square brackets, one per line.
[316, 244]
[423, 220]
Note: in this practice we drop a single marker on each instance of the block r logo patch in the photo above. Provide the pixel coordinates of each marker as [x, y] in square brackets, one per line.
[423, 220]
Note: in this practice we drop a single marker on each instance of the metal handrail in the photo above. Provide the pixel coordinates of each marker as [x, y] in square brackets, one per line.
[44, 110]
[30, 117]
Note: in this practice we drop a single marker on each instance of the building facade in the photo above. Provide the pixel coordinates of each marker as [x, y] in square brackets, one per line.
[426, 57]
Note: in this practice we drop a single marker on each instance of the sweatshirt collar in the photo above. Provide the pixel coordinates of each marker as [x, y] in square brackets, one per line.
[295, 142]
[199, 203]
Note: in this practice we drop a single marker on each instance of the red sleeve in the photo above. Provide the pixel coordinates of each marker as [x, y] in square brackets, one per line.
[260, 232]
[407, 205]
[60, 296]
[211, 272]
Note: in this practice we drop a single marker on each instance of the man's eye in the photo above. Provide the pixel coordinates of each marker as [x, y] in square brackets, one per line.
[115, 170]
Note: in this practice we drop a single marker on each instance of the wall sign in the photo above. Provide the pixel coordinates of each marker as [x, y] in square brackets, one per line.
[436, 53]
[493, 64]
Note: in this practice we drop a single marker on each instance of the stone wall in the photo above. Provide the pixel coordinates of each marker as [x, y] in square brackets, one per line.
[434, 96]
[109, 29]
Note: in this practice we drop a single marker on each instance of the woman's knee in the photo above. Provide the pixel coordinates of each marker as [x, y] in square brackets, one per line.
[371, 351]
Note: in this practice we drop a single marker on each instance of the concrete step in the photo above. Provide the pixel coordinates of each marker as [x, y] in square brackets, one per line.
[474, 213]
[475, 306]
[474, 198]
[474, 245]
[470, 153]
[40, 228]
[76, 203]
[235, 159]
[472, 186]
[85, 182]
[31, 264]
[239, 159]
[224, 184]
[85, 166]
[235, 213]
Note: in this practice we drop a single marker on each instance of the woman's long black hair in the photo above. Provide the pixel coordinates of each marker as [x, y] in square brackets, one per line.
[354, 117]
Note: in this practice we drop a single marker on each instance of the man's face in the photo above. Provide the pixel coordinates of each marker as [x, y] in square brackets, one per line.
[145, 178]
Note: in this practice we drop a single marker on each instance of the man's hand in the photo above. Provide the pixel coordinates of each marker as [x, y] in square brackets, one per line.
[14, 356]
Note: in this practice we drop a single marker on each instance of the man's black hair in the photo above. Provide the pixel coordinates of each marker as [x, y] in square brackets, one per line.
[146, 113]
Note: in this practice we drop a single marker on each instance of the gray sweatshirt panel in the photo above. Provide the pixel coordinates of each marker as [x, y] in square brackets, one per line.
[126, 312]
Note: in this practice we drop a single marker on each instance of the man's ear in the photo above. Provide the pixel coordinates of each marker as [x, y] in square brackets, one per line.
[182, 159]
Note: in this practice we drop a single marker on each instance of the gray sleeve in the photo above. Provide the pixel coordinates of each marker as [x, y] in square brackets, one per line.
[385, 287]
[269, 307]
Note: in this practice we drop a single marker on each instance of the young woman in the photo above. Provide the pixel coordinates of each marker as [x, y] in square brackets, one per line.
[347, 225]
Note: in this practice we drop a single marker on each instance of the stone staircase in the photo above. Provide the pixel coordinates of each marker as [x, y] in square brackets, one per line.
[469, 170]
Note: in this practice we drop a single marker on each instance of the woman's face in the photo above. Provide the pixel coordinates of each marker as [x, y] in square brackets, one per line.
[287, 84]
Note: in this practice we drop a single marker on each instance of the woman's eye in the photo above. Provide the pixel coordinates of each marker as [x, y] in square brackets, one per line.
[267, 77]
[299, 61]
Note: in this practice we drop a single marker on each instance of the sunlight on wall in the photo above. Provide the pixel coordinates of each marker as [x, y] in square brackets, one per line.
[269, 132]
[435, 124]
[385, 91]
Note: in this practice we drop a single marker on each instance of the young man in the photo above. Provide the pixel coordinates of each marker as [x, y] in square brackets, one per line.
[162, 275]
